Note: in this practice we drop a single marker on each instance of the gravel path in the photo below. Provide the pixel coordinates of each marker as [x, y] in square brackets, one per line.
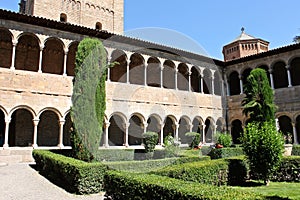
[21, 182]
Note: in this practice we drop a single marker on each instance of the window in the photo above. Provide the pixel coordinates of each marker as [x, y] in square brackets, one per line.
[98, 26]
[63, 17]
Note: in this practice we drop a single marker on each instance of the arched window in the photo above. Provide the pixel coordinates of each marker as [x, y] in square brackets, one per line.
[63, 17]
[98, 26]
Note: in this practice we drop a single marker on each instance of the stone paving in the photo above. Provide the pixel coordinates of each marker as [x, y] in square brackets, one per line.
[21, 182]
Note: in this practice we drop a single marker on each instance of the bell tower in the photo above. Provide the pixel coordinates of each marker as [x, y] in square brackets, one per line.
[244, 45]
[97, 14]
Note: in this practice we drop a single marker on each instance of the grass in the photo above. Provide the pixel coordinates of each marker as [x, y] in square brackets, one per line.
[282, 190]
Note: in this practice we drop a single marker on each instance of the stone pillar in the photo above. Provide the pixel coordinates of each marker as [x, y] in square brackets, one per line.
[162, 133]
[61, 133]
[145, 125]
[13, 57]
[176, 126]
[241, 84]
[295, 133]
[271, 79]
[107, 124]
[176, 81]
[35, 132]
[126, 134]
[277, 124]
[201, 82]
[145, 74]
[41, 59]
[161, 75]
[7, 122]
[203, 133]
[127, 72]
[289, 76]
[65, 62]
[190, 83]
[212, 85]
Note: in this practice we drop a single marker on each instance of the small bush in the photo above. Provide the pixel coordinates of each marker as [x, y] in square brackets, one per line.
[128, 186]
[194, 139]
[289, 170]
[296, 150]
[114, 155]
[225, 152]
[150, 140]
[237, 171]
[205, 150]
[223, 139]
[172, 148]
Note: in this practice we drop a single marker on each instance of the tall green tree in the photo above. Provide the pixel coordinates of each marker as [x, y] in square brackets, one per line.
[88, 99]
[258, 103]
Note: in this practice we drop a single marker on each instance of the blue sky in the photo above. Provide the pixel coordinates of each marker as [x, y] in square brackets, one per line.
[207, 24]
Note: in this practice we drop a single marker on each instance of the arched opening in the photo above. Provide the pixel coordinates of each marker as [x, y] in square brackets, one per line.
[135, 131]
[5, 48]
[285, 126]
[209, 130]
[280, 75]
[184, 127]
[220, 125]
[136, 69]
[217, 83]
[67, 130]
[207, 89]
[295, 71]
[71, 59]
[2, 128]
[169, 127]
[21, 129]
[118, 73]
[298, 128]
[98, 26]
[234, 83]
[245, 75]
[169, 75]
[236, 131]
[27, 53]
[48, 129]
[183, 77]
[153, 72]
[63, 17]
[195, 80]
[266, 68]
[53, 57]
[116, 131]
[154, 126]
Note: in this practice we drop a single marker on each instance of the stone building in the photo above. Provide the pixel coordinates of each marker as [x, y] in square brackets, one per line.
[152, 88]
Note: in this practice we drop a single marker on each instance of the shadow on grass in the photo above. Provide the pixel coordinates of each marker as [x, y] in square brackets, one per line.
[277, 198]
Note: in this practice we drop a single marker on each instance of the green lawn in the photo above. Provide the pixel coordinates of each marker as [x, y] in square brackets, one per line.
[280, 189]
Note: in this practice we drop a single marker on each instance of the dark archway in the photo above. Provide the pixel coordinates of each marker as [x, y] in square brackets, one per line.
[184, 127]
[153, 72]
[245, 75]
[136, 69]
[285, 126]
[154, 126]
[169, 75]
[207, 89]
[209, 130]
[27, 53]
[295, 71]
[21, 129]
[236, 131]
[67, 130]
[198, 127]
[217, 83]
[220, 126]
[135, 131]
[183, 77]
[53, 56]
[116, 131]
[5, 48]
[118, 73]
[234, 83]
[71, 59]
[169, 127]
[2, 128]
[298, 128]
[48, 129]
[280, 75]
[195, 80]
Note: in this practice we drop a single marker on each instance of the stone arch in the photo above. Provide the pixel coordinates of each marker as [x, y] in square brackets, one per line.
[136, 69]
[234, 83]
[245, 75]
[298, 128]
[2, 127]
[207, 89]
[71, 58]
[220, 125]
[183, 77]
[195, 79]
[67, 130]
[153, 72]
[285, 126]
[6, 48]
[280, 75]
[217, 83]
[184, 127]
[236, 131]
[118, 73]
[135, 130]
[98, 26]
[48, 128]
[169, 75]
[169, 127]
[27, 52]
[116, 130]
[22, 107]
[198, 126]
[53, 56]
[154, 125]
[209, 130]
[295, 71]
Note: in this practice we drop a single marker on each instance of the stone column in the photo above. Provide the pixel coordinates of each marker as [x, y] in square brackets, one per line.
[41, 58]
[176, 126]
[13, 57]
[161, 75]
[212, 85]
[107, 124]
[295, 133]
[145, 125]
[35, 132]
[126, 134]
[176, 81]
[241, 84]
[203, 133]
[61, 133]
[227, 85]
[201, 82]
[162, 133]
[146, 57]
[190, 83]
[271, 79]
[277, 124]
[7, 122]
[289, 76]
[65, 62]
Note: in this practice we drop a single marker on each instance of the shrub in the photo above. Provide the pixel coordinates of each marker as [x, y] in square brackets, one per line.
[73, 175]
[171, 147]
[205, 150]
[150, 140]
[289, 170]
[296, 150]
[223, 139]
[225, 152]
[237, 171]
[263, 146]
[194, 138]
[121, 186]
[114, 155]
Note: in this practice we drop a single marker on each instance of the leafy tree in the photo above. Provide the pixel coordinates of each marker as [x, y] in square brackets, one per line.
[150, 140]
[259, 101]
[296, 39]
[88, 98]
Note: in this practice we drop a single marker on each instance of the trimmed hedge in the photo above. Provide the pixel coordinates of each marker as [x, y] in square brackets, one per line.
[120, 186]
[114, 155]
[73, 175]
[150, 165]
[289, 170]
[296, 150]
[225, 152]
